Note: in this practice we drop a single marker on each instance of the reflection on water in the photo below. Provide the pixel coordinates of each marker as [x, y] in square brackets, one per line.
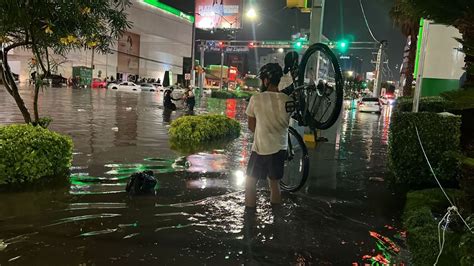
[197, 215]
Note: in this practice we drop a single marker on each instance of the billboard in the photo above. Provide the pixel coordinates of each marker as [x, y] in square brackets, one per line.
[218, 14]
[128, 53]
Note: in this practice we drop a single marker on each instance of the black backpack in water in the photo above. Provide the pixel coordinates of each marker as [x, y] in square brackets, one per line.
[141, 183]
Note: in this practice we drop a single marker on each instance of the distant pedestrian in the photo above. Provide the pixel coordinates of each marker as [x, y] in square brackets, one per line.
[269, 121]
[168, 100]
[190, 99]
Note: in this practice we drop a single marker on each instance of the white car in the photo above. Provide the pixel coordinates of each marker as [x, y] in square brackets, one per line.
[148, 87]
[370, 104]
[125, 86]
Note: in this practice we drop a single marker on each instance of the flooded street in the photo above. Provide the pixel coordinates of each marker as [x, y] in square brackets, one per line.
[343, 215]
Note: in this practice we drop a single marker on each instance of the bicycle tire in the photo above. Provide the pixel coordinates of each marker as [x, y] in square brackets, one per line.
[304, 163]
[339, 87]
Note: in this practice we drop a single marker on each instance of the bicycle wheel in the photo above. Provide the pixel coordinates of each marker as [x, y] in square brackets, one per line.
[296, 163]
[324, 88]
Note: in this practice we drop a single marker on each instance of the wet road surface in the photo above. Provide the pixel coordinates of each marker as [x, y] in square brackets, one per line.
[197, 216]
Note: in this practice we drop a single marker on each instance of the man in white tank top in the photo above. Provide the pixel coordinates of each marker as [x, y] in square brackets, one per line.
[269, 121]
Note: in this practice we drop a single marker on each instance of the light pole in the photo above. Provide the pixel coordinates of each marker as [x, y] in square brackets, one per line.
[193, 71]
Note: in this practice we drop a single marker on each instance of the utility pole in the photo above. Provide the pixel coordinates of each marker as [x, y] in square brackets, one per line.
[378, 69]
[316, 28]
[222, 70]
[317, 18]
[193, 71]
[201, 75]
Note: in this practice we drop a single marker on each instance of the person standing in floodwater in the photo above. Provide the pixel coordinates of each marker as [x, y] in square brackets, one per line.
[190, 99]
[269, 121]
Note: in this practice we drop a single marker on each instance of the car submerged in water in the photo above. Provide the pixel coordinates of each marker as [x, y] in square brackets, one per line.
[125, 86]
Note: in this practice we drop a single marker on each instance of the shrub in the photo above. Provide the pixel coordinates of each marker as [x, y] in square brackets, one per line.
[440, 135]
[191, 131]
[421, 215]
[435, 104]
[29, 153]
[462, 98]
[230, 94]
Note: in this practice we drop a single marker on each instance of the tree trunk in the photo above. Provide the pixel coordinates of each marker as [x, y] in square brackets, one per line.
[408, 88]
[12, 88]
[466, 28]
[35, 102]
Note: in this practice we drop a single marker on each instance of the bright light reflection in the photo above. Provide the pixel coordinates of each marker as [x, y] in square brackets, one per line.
[251, 13]
[239, 178]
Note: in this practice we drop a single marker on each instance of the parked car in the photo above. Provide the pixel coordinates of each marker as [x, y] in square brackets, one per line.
[148, 87]
[99, 83]
[370, 104]
[125, 86]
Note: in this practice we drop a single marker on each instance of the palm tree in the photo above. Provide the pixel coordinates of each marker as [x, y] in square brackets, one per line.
[403, 16]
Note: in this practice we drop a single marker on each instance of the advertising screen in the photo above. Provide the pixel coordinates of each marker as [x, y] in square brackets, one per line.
[218, 14]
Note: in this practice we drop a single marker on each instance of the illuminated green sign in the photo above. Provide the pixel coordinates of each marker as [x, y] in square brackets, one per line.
[170, 10]
[418, 48]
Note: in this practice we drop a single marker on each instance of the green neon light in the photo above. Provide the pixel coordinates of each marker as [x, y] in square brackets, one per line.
[418, 49]
[170, 10]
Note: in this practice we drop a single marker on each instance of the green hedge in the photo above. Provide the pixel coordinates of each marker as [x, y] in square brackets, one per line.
[423, 210]
[230, 94]
[435, 104]
[440, 135]
[29, 153]
[189, 132]
[462, 98]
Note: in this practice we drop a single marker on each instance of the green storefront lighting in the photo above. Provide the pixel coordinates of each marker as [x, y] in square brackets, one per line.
[170, 10]
[418, 49]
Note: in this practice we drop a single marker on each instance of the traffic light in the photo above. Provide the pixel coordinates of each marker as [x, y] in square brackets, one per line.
[342, 46]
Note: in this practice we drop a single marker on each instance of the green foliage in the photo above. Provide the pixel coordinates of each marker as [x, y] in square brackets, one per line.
[29, 153]
[63, 25]
[440, 135]
[231, 94]
[419, 214]
[462, 99]
[466, 245]
[189, 132]
[435, 104]
[43, 122]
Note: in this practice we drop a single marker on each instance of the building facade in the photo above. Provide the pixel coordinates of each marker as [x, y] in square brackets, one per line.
[158, 40]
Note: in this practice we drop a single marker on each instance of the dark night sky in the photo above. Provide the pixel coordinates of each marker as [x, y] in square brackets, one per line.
[278, 23]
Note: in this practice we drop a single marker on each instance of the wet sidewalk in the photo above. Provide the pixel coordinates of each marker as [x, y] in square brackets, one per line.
[197, 216]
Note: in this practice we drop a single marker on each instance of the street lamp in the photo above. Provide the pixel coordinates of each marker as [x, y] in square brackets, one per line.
[252, 13]
[281, 50]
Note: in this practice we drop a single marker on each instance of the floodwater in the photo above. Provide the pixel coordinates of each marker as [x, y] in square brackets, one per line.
[344, 215]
